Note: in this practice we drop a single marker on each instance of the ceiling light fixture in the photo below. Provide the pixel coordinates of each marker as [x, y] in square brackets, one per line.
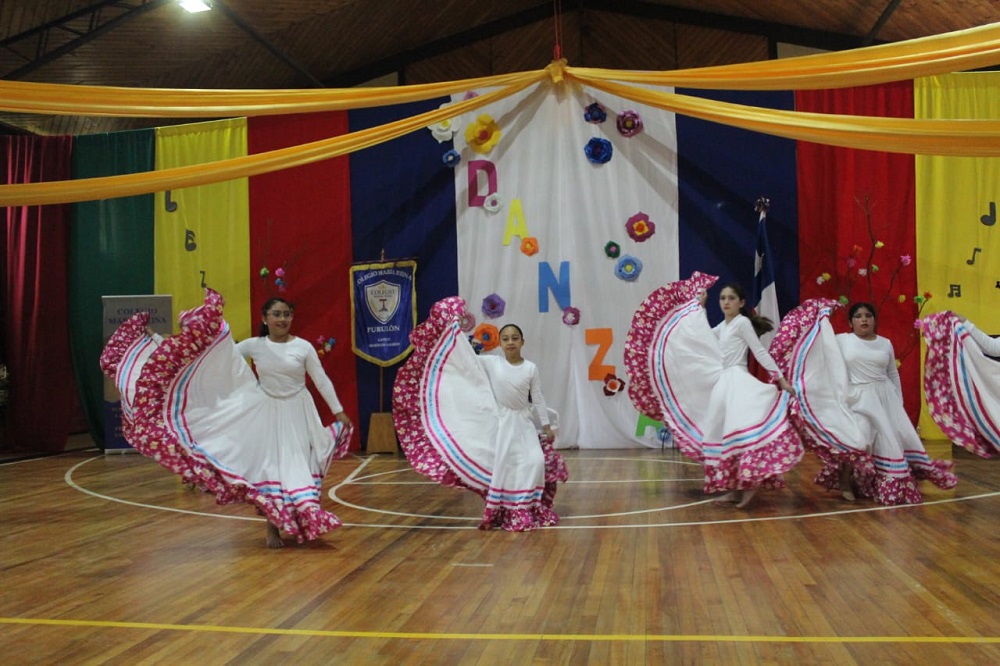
[195, 6]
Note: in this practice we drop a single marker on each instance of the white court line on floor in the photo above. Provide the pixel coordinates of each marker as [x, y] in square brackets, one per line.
[68, 478]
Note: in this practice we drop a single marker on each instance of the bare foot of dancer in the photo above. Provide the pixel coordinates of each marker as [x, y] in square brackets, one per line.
[846, 489]
[728, 497]
[747, 496]
[274, 537]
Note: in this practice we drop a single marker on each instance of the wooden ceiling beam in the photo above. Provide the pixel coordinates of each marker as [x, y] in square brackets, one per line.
[774, 32]
[96, 26]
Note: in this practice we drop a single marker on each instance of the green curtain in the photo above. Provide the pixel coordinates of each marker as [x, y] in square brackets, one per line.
[111, 252]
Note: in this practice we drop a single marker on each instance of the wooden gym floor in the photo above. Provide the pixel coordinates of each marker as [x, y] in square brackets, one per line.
[110, 559]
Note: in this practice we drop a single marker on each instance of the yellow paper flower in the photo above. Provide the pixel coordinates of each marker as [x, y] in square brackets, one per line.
[483, 134]
[902, 298]
[879, 244]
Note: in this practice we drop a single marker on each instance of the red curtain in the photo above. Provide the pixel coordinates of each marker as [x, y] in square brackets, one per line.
[300, 220]
[43, 405]
[857, 223]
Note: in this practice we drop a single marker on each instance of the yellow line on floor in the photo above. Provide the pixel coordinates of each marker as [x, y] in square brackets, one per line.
[319, 633]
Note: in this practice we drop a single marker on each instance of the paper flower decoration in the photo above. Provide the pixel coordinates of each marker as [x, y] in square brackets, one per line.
[612, 249]
[467, 321]
[905, 260]
[613, 385]
[639, 227]
[477, 346]
[902, 298]
[451, 158]
[492, 203]
[445, 130]
[879, 245]
[628, 123]
[264, 272]
[494, 306]
[663, 434]
[469, 95]
[571, 316]
[529, 246]
[487, 336]
[628, 268]
[598, 151]
[483, 134]
[323, 345]
[595, 113]
[279, 272]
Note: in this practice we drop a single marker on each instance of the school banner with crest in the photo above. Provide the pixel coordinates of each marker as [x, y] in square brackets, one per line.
[383, 310]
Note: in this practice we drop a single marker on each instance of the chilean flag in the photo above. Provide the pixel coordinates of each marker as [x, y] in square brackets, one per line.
[765, 297]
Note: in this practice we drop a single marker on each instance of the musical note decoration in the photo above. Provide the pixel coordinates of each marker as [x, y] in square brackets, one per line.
[189, 244]
[991, 217]
[203, 283]
[955, 291]
[171, 206]
[975, 251]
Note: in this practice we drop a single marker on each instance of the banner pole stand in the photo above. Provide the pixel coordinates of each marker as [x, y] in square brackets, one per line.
[377, 292]
[381, 431]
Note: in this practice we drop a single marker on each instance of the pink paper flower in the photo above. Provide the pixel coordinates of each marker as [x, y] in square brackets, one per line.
[639, 227]
[628, 123]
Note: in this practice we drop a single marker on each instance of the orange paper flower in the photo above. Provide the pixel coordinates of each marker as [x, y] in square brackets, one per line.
[529, 246]
[487, 335]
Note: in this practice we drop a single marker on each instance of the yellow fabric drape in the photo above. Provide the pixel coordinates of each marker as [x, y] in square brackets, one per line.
[936, 54]
[965, 137]
[36, 194]
[70, 100]
[896, 135]
[956, 211]
[202, 234]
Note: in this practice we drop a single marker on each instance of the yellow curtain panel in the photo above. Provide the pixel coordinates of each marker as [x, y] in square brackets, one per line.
[958, 240]
[202, 234]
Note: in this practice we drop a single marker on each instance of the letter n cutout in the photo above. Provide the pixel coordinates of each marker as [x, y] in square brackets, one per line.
[560, 288]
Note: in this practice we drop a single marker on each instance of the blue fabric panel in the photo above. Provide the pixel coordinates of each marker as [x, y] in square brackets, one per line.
[721, 172]
[402, 203]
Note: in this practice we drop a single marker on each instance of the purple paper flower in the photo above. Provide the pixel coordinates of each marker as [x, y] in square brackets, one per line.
[628, 123]
[494, 306]
[571, 316]
[595, 113]
[598, 151]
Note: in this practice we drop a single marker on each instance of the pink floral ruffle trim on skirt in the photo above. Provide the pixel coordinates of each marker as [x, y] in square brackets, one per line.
[659, 306]
[942, 374]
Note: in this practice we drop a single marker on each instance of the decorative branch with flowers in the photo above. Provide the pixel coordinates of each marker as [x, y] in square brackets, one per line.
[859, 270]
